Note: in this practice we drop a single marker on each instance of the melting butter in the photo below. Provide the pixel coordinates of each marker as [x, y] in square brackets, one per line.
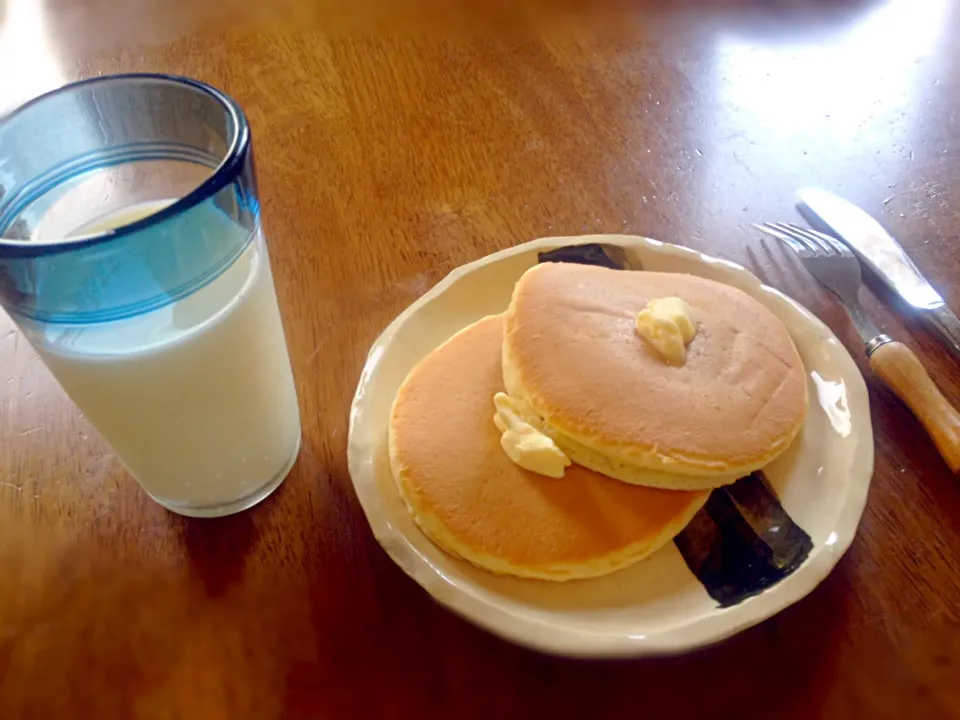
[669, 325]
[524, 444]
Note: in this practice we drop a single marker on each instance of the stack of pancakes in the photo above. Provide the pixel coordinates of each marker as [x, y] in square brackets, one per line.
[648, 439]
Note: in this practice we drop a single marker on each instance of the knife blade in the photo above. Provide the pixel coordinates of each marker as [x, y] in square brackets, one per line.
[879, 251]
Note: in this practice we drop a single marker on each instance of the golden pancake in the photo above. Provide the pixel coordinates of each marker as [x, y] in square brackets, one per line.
[578, 370]
[471, 500]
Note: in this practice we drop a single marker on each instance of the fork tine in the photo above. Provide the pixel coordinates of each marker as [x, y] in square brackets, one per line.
[838, 245]
[817, 238]
[797, 233]
[799, 248]
[812, 248]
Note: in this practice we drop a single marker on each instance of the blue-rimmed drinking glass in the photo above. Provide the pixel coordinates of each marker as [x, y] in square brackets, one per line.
[132, 258]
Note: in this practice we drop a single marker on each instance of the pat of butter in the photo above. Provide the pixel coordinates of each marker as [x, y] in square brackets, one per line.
[524, 444]
[668, 324]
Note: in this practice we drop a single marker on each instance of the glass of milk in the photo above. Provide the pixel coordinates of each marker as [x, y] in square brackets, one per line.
[132, 258]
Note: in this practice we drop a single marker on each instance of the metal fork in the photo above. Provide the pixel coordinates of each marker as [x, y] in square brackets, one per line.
[833, 264]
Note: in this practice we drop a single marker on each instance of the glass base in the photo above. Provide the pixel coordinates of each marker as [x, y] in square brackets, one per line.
[243, 503]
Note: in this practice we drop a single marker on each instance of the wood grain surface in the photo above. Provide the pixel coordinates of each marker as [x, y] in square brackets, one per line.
[395, 142]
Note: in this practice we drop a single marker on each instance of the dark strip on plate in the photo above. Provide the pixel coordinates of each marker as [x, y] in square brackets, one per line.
[608, 256]
[742, 541]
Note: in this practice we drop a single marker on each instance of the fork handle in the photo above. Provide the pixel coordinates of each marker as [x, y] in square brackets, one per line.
[900, 369]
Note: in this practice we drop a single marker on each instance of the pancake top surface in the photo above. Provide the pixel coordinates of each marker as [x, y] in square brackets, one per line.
[570, 336]
[447, 449]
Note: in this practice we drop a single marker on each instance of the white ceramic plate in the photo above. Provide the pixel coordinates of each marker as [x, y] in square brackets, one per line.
[659, 605]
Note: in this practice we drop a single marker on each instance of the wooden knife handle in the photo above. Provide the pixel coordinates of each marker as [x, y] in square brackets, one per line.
[900, 369]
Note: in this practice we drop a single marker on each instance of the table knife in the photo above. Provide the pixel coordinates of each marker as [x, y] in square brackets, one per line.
[879, 251]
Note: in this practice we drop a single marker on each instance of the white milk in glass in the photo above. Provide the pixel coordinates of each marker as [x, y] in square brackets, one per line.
[197, 398]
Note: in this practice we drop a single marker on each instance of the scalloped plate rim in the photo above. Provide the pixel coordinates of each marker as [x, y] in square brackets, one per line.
[567, 640]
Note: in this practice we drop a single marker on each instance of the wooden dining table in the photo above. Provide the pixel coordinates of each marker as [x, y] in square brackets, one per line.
[395, 142]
